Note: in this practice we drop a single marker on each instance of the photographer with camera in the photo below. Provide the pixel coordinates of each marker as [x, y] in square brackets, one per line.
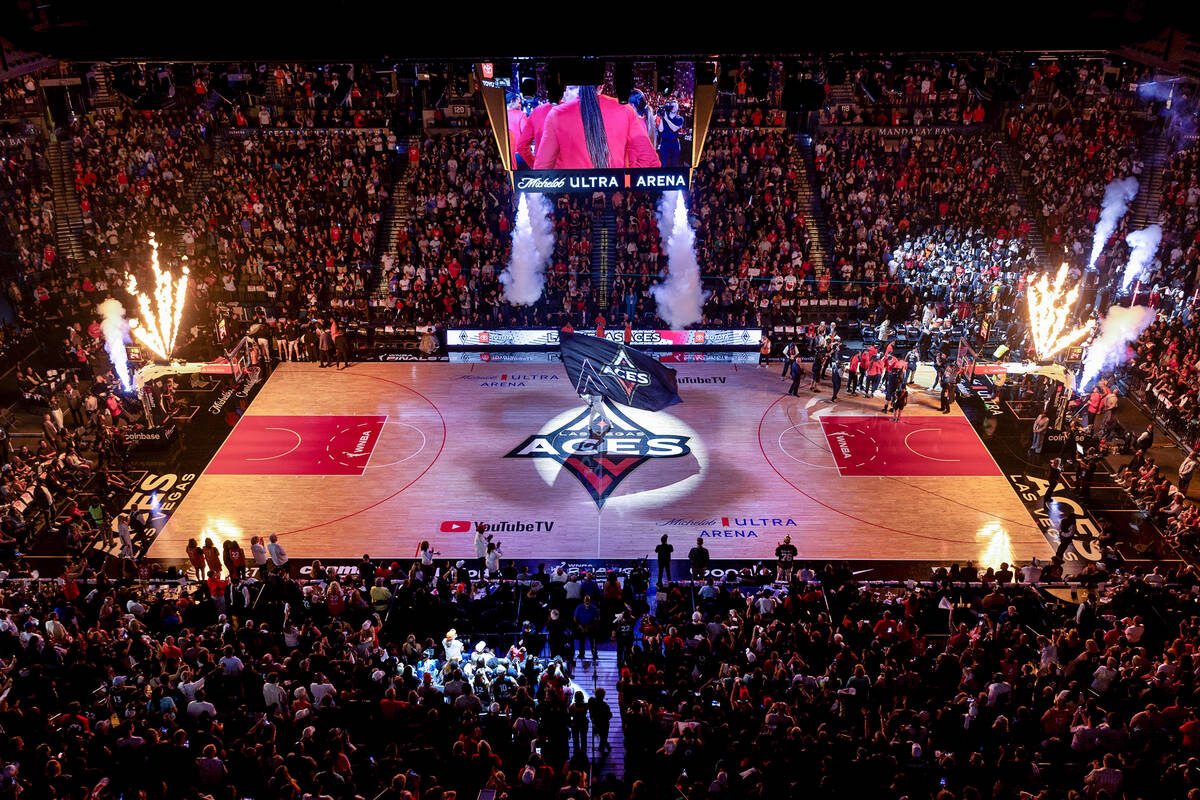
[670, 132]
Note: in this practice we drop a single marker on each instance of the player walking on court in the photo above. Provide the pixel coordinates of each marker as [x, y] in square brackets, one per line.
[899, 401]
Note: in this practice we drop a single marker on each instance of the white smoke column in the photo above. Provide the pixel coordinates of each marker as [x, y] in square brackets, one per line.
[666, 216]
[680, 297]
[1143, 245]
[532, 246]
[116, 336]
[1109, 349]
[1117, 196]
[541, 217]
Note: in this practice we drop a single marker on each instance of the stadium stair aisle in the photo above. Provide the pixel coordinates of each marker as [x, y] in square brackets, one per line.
[1156, 149]
[200, 183]
[1017, 187]
[395, 217]
[820, 243]
[103, 96]
[68, 218]
[588, 676]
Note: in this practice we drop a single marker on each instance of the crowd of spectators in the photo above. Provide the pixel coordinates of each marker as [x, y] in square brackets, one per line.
[919, 222]
[28, 206]
[322, 96]
[1179, 215]
[132, 170]
[752, 240]
[451, 249]
[1069, 152]
[839, 690]
[247, 682]
[416, 682]
[234, 687]
[1166, 370]
[933, 92]
[290, 220]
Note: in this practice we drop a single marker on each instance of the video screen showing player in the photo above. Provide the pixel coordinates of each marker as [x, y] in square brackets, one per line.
[589, 127]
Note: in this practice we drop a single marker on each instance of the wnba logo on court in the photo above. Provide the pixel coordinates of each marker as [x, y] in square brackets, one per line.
[602, 464]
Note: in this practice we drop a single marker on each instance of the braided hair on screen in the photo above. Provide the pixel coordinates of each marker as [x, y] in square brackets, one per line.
[594, 134]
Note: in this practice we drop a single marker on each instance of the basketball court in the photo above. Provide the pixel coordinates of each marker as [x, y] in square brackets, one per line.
[378, 457]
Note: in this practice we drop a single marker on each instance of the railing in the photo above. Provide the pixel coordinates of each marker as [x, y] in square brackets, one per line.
[1183, 431]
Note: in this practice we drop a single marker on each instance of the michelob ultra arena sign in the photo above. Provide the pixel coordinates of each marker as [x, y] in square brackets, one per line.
[643, 179]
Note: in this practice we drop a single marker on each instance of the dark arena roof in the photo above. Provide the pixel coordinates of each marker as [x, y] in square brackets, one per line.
[547, 402]
[362, 31]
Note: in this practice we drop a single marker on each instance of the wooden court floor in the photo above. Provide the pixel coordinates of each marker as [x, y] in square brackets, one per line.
[378, 457]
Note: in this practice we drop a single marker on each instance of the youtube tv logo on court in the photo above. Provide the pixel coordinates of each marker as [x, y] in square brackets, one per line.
[498, 526]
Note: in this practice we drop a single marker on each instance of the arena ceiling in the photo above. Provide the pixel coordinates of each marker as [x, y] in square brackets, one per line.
[266, 29]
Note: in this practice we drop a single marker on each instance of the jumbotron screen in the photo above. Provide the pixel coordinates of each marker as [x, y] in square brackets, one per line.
[597, 127]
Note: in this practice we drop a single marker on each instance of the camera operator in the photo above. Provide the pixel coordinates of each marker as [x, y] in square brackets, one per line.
[670, 132]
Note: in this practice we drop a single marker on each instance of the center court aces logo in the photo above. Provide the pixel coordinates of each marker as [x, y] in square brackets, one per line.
[602, 466]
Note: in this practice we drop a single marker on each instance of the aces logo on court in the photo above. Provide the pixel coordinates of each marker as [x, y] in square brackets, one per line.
[602, 465]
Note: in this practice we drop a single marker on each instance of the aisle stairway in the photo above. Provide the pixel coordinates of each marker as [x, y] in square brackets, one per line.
[103, 95]
[1146, 206]
[820, 238]
[68, 218]
[395, 217]
[1017, 189]
[588, 676]
[604, 255]
[841, 94]
[201, 181]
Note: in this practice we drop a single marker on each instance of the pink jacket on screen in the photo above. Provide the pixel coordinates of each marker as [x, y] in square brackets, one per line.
[531, 132]
[563, 145]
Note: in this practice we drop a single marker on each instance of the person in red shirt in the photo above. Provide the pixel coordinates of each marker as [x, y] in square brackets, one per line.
[530, 139]
[627, 336]
[875, 372]
[885, 629]
[1191, 732]
[170, 650]
[853, 370]
[600, 323]
[216, 587]
[516, 120]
